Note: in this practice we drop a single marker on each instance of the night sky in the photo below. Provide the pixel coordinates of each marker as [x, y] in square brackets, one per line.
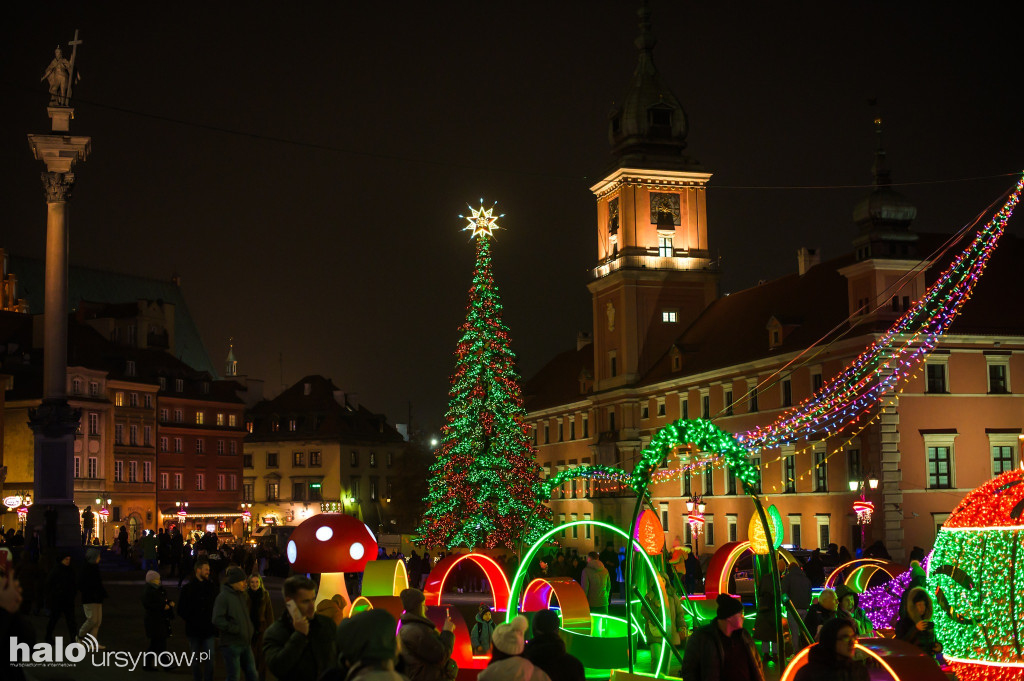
[302, 169]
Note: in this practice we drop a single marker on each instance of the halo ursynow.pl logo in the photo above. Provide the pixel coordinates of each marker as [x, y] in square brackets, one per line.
[59, 655]
[52, 654]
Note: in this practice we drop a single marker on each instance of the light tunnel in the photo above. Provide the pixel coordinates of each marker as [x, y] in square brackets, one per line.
[860, 572]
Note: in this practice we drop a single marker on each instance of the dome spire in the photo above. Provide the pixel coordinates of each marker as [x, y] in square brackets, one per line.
[649, 128]
[880, 168]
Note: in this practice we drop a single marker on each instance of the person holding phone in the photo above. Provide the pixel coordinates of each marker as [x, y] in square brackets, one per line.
[915, 623]
[301, 643]
[425, 653]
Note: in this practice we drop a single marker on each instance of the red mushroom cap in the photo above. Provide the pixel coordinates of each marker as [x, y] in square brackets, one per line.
[331, 542]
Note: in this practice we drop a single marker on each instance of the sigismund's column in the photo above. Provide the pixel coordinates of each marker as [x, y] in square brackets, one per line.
[53, 512]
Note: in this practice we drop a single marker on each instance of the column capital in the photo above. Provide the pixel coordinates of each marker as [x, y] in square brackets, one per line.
[54, 418]
[57, 186]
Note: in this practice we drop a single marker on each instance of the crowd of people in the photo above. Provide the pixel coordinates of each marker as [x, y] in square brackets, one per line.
[226, 608]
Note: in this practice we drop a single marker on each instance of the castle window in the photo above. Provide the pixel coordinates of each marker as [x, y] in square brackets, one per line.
[660, 117]
[668, 316]
[665, 246]
[613, 217]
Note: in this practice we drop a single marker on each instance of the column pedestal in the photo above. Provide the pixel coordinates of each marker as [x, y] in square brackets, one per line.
[54, 424]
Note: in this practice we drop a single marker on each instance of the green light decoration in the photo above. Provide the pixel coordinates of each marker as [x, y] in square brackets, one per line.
[524, 565]
[485, 488]
[977, 588]
[701, 433]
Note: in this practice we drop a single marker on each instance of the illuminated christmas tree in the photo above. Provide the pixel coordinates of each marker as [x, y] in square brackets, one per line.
[485, 487]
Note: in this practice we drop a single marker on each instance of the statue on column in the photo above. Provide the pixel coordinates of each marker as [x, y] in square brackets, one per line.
[58, 73]
[61, 74]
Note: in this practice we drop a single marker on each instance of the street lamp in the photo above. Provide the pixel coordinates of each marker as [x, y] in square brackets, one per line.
[104, 514]
[246, 520]
[695, 518]
[863, 508]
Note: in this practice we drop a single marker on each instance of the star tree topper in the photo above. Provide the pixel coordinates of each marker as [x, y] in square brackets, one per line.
[482, 221]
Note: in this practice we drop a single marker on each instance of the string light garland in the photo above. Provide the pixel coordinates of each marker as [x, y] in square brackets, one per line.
[485, 488]
[978, 586]
[895, 354]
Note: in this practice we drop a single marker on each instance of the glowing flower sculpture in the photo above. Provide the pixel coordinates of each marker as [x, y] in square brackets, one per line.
[979, 595]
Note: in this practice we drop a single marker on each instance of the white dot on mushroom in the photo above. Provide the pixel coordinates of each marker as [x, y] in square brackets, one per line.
[324, 533]
[292, 551]
[356, 551]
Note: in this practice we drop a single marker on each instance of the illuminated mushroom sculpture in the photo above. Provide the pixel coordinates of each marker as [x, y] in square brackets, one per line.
[331, 544]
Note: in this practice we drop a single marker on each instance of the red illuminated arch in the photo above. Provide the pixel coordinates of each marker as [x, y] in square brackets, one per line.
[434, 587]
[902, 661]
[723, 561]
[572, 601]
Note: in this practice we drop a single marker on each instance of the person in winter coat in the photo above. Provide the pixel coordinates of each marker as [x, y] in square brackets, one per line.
[848, 608]
[915, 622]
[831, 658]
[426, 654]
[14, 627]
[722, 650]
[677, 620]
[821, 612]
[596, 583]
[611, 561]
[333, 607]
[547, 649]
[195, 606]
[507, 660]
[61, 588]
[300, 645]
[796, 588]
[764, 622]
[815, 568]
[231, 617]
[149, 546]
[367, 649]
[261, 612]
[482, 630]
[694, 574]
[93, 593]
[157, 621]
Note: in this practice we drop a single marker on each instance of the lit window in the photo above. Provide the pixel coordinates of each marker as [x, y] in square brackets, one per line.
[665, 246]
[200, 418]
[668, 316]
[220, 419]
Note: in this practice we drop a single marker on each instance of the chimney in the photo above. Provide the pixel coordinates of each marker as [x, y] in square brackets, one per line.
[806, 258]
[583, 339]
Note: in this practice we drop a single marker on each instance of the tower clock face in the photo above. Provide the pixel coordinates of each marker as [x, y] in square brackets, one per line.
[662, 202]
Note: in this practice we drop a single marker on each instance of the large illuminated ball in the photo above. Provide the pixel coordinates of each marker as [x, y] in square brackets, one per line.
[976, 576]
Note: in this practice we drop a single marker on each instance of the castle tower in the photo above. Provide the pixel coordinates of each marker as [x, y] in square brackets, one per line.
[888, 275]
[654, 272]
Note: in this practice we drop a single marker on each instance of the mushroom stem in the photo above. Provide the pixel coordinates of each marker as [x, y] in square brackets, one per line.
[332, 583]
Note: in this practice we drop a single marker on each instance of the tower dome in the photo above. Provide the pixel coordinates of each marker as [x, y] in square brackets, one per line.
[884, 209]
[650, 126]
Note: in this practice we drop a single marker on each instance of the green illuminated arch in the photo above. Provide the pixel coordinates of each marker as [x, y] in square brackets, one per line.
[527, 560]
[702, 433]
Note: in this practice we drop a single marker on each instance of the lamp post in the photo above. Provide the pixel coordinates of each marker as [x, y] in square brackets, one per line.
[863, 508]
[246, 520]
[182, 512]
[103, 511]
[696, 519]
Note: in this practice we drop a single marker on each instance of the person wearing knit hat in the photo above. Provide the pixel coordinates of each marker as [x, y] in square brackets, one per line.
[426, 654]
[159, 612]
[480, 635]
[507, 661]
[232, 619]
[722, 649]
[546, 649]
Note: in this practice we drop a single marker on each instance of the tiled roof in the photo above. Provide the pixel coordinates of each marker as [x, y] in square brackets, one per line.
[558, 381]
[113, 287]
[324, 413]
[731, 331]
